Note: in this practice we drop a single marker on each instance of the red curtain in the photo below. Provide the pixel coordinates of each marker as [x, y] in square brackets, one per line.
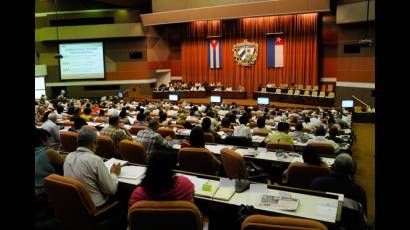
[300, 51]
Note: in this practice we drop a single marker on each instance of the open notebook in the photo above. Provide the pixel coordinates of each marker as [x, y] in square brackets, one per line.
[211, 188]
[127, 172]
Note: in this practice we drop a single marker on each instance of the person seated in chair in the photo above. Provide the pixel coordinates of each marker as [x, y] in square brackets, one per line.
[299, 135]
[320, 134]
[340, 180]
[51, 127]
[116, 131]
[206, 126]
[90, 170]
[153, 140]
[46, 162]
[261, 125]
[242, 130]
[281, 136]
[160, 182]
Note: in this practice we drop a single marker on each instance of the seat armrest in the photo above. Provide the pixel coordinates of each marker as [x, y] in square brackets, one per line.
[106, 207]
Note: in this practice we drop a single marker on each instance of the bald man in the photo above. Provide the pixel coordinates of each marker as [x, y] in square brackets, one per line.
[52, 128]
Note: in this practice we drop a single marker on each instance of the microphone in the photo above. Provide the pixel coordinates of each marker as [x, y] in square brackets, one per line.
[58, 56]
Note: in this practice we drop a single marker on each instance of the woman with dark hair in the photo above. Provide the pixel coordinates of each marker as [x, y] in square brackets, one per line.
[87, 114]
[163, 119]
[160, 182]
[196, 138]
[260, 122]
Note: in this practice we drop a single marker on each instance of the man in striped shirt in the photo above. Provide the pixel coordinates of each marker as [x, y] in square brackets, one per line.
[151, 139]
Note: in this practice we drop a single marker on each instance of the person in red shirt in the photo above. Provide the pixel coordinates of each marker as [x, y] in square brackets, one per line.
[160, 182]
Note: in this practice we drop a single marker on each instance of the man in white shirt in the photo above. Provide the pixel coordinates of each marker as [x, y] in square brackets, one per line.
[52, 128]
[90, 170]
[320, 134]
[243, 130]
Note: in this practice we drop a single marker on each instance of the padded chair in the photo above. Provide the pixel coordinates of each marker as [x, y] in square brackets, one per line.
[260, 133]
[170, 215]
[74, 207]
[308, 87]
[323, 88]
[329, 88]
[177, 126]
[306, 93]
[252, 124]
[106, 147]
[164, 132]
[133, 151]
[323, 149]
[236, 168]
[273, 85]
[136, 128]
[67, 123]
[263, 222]
[238, 141]
[290, 92]
[297, 92]
[100, 120]
[331, 95]
[226, 130]
[68, 140]
[299, 86]
[209, 137]
[315, 88]
[314, 94]
[322, 94]
[301, 175]
[274, 146]
[278, 91]
[306, 130]
[198, 160]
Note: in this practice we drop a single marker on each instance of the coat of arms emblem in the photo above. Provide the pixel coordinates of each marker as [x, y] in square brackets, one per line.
[245, 53]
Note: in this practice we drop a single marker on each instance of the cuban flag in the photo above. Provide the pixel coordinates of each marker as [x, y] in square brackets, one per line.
[214, 53]
[274, 50]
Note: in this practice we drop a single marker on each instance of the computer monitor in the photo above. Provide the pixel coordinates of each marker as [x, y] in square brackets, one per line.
[120, 95]
[216, 99]
[347, 104]
[263, 100]
[173, 97]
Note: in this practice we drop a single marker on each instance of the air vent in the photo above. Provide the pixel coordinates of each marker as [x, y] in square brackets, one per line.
[82, 21]
[352, 49]
[101, 87]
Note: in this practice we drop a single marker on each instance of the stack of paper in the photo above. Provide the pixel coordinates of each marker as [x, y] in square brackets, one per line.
[277, 202]
[132, 172]
[111, 161]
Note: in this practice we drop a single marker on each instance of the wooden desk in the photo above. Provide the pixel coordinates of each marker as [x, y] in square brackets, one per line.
[181, 93]
[235, 94]
[307, 100]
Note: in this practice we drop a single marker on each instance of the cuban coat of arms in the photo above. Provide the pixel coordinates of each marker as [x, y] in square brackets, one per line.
[245, 53]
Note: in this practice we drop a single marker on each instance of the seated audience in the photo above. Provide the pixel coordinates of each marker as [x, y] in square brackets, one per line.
[242, 130]
[341, 181]
[333, 135]
[116, 131]
[51, 127]
[281, 136]
[87, 114]
[261, 125]
[140, 119]
[298, 134]
[320, 134]
[153, 140]
[182, 121]
[46, 162]
[206, 126]
[90, 170]
[163, 119]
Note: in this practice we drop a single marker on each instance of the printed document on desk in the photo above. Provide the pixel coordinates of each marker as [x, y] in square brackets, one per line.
[111, 161]
[278, 202]
[132, 172]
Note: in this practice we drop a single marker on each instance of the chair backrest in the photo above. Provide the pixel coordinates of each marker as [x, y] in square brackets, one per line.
[100, 120]
[263, 89]
[234, 164]
[171, 215]
[71, 202]
[226, 130]
[299, 86]
[315, 87]
[308, 87]
[323, 88]
[331, 95]
[274, 145]
[314, 94]
[278, 90]
[290, 92]
[307, 93]
[323, 148]
[136, 128]
[252, 124]
[273, 85]
[322, 94]
[105, 147]
[133, 151]
[209, 137]
[329, 88]
[301, 175]
[238, 141]
[177, 126]
[262, 222]
[68, 140]
[164, 132]
[67, 123]
[199, 160]
[297, 92]
[260, 133]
